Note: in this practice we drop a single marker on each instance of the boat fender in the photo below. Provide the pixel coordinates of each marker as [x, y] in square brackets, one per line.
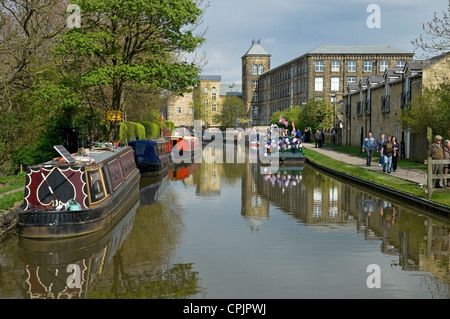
[72, 205]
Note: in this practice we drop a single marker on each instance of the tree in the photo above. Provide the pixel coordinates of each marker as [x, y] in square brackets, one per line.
[437, 34]
[315, 114]
[133, 42]
[233, 112]
[430, 109]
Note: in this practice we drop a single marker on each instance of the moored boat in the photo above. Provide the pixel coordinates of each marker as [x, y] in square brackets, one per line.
[185, 148]
[290, 150]
[152, 156]
[78, 195]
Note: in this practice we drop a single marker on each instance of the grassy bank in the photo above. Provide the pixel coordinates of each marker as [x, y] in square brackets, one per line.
[441, 197]
[10, 184]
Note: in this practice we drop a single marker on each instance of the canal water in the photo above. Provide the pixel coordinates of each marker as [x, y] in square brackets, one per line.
[227, 231]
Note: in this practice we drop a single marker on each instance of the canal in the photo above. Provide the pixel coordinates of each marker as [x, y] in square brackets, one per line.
[226, 231]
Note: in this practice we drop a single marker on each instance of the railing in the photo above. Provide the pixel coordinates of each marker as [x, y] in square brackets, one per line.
[431, 177]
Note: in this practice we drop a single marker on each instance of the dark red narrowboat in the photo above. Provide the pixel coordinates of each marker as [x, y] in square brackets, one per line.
[78, 195]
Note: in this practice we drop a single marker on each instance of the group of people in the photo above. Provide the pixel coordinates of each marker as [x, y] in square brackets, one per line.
[437, 151]
[388, 148]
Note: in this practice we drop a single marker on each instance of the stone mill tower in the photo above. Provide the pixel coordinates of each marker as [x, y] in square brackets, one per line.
[254, 63]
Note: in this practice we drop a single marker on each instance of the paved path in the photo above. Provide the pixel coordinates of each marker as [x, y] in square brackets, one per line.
[412, 175]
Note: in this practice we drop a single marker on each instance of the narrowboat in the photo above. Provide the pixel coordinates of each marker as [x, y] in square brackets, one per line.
[77, 195]
[152, 156]
[290, 150]
[185, 149]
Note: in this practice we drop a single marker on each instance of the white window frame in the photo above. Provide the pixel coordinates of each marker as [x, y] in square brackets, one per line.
[335, 66]
[384, 65]
[368, 66]
[261, 69]
[255, 69]
[351, 79]
[318, 83]
[335, 82]
[351, 66]
[319, 66]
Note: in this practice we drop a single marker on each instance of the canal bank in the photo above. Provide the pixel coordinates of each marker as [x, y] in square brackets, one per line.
[415, 178]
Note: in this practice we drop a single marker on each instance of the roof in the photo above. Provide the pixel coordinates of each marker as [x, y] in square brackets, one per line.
[257, 49]
[230, 89]
[418, 65]
[216, 78]
[357, 49]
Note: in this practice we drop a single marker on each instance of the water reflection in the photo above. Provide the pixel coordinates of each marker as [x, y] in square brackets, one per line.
[212, 229]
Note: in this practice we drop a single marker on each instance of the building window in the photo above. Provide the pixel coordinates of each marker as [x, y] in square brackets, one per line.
[255, 111]
[205, 91]
[334, 83]
[206, 103]
[351, 79]
[319, 83]
[319, 66]
[400, 64]
[178, 110]
[384, 65]
[213, 119]
[214, 107]
[255, 96]
[335, 66]
[261, 69]
[191, 110]
[368, 66]
[351, 66]
[255, 84]
[255, 69]
[214, 94]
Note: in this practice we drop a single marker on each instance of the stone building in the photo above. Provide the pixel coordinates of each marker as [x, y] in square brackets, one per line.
[374, 103]
[321, 73]
[206, 98]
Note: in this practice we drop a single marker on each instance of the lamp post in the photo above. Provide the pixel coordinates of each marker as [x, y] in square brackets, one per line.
[333, 97]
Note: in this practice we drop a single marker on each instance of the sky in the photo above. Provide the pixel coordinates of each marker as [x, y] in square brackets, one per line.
[288, 29]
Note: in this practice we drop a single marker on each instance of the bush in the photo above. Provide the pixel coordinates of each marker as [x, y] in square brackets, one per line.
[140, 130]
[132, 130]
[123, 133]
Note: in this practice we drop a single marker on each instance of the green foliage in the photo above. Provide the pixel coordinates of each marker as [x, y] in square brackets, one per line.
[233, 112]
[140, 129]
[132, 130]
[430, 109]
[170, 125]
[316, 114]
[123, 133]
[151, 129]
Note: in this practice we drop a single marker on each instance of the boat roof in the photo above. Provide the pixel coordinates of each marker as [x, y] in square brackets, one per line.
[101, 154]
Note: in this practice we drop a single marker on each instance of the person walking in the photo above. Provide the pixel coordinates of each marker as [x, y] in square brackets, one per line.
[368, 147]
[447, 166]
[317, 137]
[386, 152]
[380, 142]
[436, 152]
[396, 153]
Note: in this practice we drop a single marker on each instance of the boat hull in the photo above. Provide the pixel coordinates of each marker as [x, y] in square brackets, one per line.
[35, 223]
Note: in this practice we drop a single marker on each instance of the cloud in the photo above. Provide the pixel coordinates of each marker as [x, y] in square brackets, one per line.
[291, 28]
